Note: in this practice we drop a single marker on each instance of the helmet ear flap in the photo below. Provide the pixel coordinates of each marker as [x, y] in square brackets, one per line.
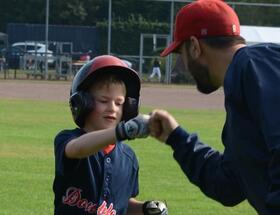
[130, 108]
[81, 104]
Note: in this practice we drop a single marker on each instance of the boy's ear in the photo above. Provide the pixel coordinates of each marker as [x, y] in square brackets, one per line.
[130, 108]
[81, 103]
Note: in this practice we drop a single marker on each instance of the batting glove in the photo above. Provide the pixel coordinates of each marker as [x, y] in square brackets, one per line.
[137, 127]
[154, 208]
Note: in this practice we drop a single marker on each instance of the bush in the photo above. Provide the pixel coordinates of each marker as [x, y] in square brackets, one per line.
[125, 39]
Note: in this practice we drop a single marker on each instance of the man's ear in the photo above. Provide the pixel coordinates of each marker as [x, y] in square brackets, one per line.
[195, 48]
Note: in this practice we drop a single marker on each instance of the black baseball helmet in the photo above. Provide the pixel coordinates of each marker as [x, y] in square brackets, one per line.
[82, 103]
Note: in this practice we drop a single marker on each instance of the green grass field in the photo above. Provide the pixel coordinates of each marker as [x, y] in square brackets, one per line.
[27, 129]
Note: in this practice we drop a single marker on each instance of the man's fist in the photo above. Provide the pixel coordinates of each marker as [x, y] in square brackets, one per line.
[154, 208]
[161, 124]
[137, 127]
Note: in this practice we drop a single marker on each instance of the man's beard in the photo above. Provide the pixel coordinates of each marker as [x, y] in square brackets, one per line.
[201, 76]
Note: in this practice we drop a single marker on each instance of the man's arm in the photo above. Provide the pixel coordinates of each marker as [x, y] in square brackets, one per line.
[208, 169]
[262, 94]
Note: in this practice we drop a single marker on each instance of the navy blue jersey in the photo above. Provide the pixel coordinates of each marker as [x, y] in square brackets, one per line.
[94, 184]
[249, 167]
[156, 63]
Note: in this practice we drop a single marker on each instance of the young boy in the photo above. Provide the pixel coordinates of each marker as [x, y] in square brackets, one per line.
[95, 173]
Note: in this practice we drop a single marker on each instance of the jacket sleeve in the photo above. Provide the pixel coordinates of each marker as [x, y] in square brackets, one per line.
[262, 94]
[210, 170]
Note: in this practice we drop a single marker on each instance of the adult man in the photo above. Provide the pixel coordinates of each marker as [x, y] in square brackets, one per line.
[207, 38]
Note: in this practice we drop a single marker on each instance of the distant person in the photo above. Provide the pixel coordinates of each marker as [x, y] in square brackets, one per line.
[156, 70]
[86, 56]
[30, 63]
[2, 63]
[95, 171]
[207, 38]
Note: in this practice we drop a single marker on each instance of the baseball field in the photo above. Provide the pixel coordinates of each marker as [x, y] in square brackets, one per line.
[33, 112]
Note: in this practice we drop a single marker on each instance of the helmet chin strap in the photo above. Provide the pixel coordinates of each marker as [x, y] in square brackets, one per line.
[130, 108]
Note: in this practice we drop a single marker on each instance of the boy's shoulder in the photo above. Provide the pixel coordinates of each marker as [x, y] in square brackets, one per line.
[127, 151]
[70, 131]
[68, 134]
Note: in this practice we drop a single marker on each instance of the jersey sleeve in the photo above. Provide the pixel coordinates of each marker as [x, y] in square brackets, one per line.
[135, 186]
[63, 165]
[208, 169]
[262, 93]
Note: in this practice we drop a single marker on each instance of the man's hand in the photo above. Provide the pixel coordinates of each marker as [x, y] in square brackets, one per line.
[161, 124]
[137, 127]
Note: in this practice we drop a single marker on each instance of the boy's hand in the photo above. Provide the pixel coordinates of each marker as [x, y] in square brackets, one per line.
[154, 208]
[137, 127]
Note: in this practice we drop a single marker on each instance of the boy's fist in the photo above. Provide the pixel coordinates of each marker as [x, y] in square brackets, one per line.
[137, 127]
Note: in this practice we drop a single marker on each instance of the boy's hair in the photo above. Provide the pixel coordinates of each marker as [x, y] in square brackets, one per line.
[105, 79]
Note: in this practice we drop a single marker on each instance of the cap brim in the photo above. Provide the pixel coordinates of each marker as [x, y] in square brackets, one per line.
[171, 48]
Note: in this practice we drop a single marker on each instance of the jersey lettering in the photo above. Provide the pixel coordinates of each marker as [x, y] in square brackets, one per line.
[73, 198]
[103, 210]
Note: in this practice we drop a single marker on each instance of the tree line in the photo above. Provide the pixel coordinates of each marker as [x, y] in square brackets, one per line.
[129, 17]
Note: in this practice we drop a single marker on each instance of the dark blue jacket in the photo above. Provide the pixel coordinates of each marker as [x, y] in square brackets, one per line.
[249, 167]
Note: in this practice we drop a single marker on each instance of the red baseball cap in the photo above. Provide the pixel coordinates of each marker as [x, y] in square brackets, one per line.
[203, 18]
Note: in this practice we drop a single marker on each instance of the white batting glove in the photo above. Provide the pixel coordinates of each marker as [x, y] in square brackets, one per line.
[137, 127]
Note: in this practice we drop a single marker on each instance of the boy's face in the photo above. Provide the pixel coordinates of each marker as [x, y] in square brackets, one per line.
[109, 100]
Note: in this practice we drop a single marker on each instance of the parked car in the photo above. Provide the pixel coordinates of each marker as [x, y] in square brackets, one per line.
[128, 63]
[12, 56]
[34, 48]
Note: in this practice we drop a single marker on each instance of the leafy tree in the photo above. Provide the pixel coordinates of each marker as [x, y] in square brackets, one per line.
[130, 17]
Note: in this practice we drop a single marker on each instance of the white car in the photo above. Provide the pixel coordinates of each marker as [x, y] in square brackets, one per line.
[128, 63]
[34, 48]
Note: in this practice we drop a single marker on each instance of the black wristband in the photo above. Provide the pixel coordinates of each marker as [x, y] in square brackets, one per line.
[144, 208]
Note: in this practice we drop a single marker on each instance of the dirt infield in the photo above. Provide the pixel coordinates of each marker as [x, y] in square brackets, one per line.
[155, 96]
